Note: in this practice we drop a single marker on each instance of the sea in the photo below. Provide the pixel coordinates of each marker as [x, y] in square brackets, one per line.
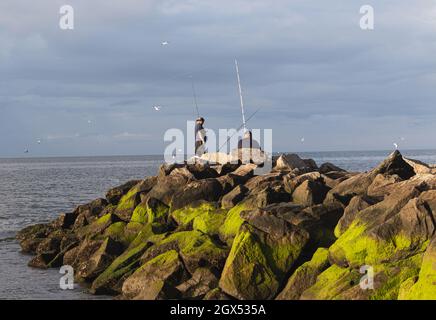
[37, 190]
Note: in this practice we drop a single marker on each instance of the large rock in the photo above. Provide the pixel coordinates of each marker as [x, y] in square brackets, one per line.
[388, 231]
[201, 282]
[235, 196]
[310, 193]
[156, 279]
[90, 268]
[114, 195]
[289, 162]
[262, 253]
[206, 189]
[305, 276]
[132, 198]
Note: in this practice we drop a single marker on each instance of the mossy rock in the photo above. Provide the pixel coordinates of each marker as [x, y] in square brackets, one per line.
[117, 232]
[152, 212]
[97, 227]
[110, 281]
[258, 262]
[156, 278]
[195, 248]
[330, 283]
[232, 223]
[210, 222]
[403, 235]
[186, 215]
[423, 286]
[305, 275]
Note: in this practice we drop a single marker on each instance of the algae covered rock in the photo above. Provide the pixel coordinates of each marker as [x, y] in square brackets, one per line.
[156, 279]
[259, 260]
[305, 276]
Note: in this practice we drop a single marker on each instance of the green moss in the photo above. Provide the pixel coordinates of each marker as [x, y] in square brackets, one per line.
[209, 222]
[393, 275]
[146, 234]
[127, 202]
[96, 227]
[247, 274]
[162, 261]
[425, 287]
[186, 215]
[330, 283]
[194, 243]
[157, 216]
[122, 266]
[232, 223]
[140, 214]
[358, 248]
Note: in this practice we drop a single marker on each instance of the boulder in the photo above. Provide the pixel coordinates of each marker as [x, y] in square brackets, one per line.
[201, 283]
[132, 198]
[329, 167]
[235, 196]
[305, 276]
[310, 193]
[114, 195]
[156, 279]
[206, 189]
[90, 268]
[289, 162]
[262, 253]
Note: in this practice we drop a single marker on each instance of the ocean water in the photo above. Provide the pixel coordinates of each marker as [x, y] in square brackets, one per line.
[36, 190]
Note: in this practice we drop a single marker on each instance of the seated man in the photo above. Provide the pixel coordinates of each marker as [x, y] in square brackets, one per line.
[248, 142]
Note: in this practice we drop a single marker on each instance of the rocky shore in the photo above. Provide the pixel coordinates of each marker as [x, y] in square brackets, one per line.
[298, 232]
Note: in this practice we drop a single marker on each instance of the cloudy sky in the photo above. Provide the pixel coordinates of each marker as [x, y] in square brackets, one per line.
[307, 64]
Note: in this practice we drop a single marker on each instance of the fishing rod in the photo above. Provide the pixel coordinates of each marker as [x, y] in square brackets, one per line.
[195, 96]
[240, 96]
[237, 130]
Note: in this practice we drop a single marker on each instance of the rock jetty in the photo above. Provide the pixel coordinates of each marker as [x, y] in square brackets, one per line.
[298, 232]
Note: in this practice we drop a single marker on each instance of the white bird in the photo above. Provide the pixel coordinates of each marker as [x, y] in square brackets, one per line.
[165, 43]
[157, 108]
[302, 139]
[38, 141]
[396, 146]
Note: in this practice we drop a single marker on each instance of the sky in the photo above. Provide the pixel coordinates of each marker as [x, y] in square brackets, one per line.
[320, 82]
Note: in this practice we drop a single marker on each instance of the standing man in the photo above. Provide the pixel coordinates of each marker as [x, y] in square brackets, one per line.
[200, 137]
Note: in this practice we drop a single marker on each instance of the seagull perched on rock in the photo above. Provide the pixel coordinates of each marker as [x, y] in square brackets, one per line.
[396, 146]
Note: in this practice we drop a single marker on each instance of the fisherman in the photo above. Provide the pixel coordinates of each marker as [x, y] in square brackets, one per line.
[200, 137]
[248, 142]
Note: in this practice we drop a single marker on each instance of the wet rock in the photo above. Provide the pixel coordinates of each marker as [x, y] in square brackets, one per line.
[156, 279]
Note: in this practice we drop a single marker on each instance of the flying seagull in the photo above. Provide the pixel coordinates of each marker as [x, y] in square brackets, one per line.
[164, 43]
[302, 139]
[157, 108]
[38, 141]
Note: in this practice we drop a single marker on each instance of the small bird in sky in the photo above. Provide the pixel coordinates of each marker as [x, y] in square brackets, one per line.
[157, 108]
[302, 139]
[164, 43]
[38, 141]
[26, 150]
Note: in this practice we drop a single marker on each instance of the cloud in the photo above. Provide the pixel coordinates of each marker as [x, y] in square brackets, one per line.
[306, 64]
